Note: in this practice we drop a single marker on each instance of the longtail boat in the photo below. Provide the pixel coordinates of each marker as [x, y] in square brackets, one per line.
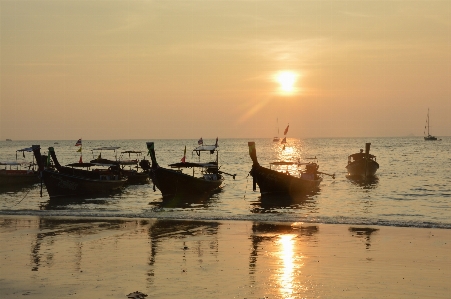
[129, 167]
[63, 181]
[272, 181]
[18, 172]
[205, 178]
[362, 165]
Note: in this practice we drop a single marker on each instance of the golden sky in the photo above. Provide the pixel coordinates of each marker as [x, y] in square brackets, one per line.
[131, 69]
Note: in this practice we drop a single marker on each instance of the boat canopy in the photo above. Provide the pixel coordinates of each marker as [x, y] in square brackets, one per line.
[283, 163]
[205, 148]
[190, 164]
[27, 149]
[80, 164]
[129, 161]
[306, 163]
[138, 153]
[106, 148]
[103, 164]
[100, 161]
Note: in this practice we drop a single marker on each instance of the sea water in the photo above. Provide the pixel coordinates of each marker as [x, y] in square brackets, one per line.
[412, 186]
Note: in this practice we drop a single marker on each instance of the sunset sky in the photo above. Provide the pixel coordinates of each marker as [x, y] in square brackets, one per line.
[130, 69]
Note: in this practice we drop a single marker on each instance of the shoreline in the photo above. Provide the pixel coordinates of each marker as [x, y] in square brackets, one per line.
[280, 218]
[99, 257]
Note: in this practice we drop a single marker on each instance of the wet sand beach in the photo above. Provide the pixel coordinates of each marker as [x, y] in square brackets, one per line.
[64, 257]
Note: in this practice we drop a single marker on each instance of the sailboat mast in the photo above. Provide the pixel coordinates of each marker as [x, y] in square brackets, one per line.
[428, 136]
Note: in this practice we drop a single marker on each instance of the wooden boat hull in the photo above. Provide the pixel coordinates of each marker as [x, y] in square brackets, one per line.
[136, 178]
[62, 184]
[172, 182]
[361, 168]
[18, 177]
[271, 181]
[133, 177]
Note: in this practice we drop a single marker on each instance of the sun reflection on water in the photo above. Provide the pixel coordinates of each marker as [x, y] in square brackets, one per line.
[290, 263]
[291, 151]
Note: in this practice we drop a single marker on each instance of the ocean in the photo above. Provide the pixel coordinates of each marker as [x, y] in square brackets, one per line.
[412, 187]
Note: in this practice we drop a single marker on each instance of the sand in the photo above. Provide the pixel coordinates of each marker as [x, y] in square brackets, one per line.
[53, 257]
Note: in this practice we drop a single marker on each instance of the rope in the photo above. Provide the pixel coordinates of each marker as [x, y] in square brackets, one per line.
[40, 177]
[23, 198]
[245, 189]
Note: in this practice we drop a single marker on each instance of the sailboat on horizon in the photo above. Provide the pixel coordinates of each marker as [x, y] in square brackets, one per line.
[277, 139]
[429, 137]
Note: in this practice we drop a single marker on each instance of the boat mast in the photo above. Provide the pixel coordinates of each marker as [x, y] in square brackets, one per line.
[367, 157]
[428, 121]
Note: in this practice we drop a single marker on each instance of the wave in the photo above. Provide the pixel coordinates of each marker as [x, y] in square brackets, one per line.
[251, 217]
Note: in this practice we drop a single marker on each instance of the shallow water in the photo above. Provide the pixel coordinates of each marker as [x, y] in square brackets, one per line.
[412, 187]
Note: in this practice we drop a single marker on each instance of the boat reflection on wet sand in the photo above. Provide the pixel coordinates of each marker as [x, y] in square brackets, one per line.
[170, 231]
[104, 257]
[363, 232]
[70, 234]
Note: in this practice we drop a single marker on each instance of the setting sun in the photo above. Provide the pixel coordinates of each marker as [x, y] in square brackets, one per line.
[287, 80]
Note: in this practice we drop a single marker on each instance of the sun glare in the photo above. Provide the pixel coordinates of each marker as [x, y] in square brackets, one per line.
[287, 81]
[288, 267]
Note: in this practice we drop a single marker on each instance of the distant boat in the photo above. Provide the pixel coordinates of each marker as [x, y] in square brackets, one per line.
[429, 137]
[277, 139]
[362, 165]
[7, 139]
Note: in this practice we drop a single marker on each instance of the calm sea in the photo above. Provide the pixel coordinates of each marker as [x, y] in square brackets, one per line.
[413, 185]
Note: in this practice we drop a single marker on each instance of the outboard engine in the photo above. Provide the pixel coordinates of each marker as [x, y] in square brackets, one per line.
[115, 167]
[145, 165]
